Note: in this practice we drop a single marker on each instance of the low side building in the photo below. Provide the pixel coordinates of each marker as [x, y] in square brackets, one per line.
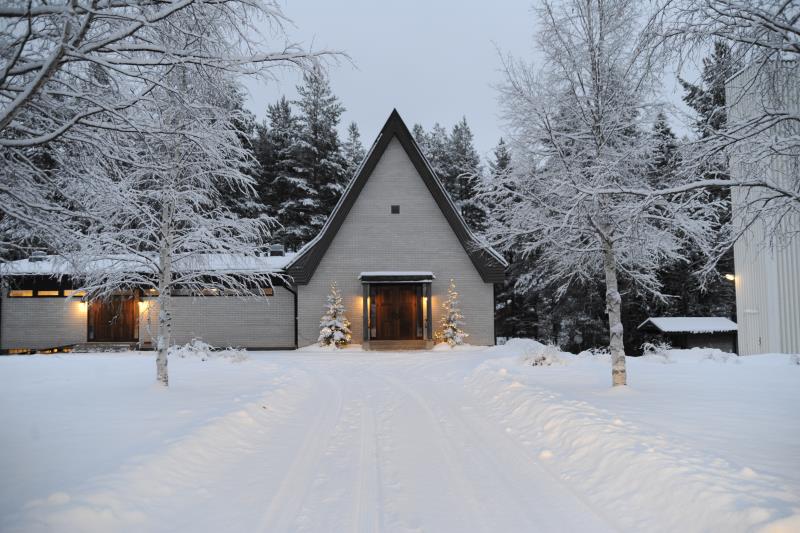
[694, 332]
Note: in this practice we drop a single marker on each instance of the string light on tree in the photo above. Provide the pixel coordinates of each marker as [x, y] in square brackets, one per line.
[334, 327]
[451, 327]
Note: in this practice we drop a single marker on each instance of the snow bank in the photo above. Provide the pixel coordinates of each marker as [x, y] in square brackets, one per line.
[531, 352]
[646, 479]
[191, 463]
[71, 421]
[466, 347]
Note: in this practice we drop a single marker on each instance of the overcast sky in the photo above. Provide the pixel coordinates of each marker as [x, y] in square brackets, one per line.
[435, 60]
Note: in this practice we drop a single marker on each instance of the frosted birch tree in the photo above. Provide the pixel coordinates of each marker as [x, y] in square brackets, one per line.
[763, 143]
[72, 70]
[162, 226]
[577, 123]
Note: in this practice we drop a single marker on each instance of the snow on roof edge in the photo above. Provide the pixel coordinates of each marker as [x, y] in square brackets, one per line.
[54, 265]
[689, 324]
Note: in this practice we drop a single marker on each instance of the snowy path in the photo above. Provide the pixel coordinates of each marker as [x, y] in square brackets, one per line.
[345, 443]
[465, 441]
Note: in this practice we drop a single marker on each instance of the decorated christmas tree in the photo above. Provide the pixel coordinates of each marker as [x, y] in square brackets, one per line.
[450, 328]
[334, 328]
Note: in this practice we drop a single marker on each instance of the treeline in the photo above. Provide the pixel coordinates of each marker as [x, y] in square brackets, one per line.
[304, 166]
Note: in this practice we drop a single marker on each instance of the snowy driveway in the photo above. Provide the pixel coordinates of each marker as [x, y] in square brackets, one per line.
[348, 442]
[351, 442]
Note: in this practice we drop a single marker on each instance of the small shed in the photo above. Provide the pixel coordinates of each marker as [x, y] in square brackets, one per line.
[694, 331]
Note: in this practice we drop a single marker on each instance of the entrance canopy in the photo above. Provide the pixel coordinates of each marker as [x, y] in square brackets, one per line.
[396, 277]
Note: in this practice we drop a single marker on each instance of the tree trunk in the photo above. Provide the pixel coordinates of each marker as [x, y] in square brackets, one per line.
[164, 332]
[164, 297]
[613, 308]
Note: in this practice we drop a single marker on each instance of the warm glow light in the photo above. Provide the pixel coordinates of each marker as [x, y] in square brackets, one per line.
[83, 306]
[74, 293]
[143, 305]
[47, 293]
[20, 293]
[730, 277]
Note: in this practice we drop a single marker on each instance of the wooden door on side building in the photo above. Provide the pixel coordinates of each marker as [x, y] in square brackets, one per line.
[113, 320]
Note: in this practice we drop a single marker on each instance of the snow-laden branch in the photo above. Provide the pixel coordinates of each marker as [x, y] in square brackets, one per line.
[72, 71]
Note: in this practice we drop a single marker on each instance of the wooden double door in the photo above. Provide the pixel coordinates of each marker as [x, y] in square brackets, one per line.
[396, 312]
[114, 320]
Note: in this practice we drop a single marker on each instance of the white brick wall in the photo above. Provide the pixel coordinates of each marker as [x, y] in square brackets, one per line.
[38, 323]
[253, 322]
[419, 239]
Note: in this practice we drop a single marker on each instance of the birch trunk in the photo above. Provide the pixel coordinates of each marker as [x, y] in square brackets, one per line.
[613, 308]
[164, 296]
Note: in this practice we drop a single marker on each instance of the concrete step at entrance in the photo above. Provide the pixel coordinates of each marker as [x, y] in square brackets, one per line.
[104, 347]
[398, 345]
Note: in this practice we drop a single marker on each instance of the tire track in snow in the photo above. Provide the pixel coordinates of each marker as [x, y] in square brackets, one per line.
[455, 471]
[285, 505]
[366, 514]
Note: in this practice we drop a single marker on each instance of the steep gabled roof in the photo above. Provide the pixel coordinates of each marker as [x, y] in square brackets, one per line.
[489, 263]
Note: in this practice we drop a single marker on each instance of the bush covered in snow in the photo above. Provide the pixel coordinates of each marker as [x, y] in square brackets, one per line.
[204, 351]
[334, 327]
[657, 350]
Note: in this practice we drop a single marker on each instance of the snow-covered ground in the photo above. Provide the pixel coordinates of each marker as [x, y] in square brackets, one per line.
[463, 440]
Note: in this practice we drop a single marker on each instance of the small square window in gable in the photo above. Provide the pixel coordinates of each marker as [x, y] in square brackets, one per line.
[395, 209]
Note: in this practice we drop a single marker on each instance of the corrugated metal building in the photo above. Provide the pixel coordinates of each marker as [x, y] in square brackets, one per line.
[767, 274]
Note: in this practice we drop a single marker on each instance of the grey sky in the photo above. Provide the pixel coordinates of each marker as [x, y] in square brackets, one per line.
[433, 60]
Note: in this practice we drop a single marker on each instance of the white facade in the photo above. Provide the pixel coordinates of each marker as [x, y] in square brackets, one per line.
[41, 323]
[418, 238]
[767, 274]
[222, 321]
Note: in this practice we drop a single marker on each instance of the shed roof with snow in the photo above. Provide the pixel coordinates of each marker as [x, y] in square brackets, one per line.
[689, 324]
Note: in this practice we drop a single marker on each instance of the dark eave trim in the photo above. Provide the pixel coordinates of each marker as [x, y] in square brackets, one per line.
[397, 278]
[489, 264]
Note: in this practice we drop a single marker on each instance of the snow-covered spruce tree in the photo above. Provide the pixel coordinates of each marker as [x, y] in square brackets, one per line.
[70, 70]
[334, 327]
[464, 175]
[437, 149]
[577, 125]
[246, 204]
[456, 163]
[319, 158]
[292, 198]
[451, 326]
[352, 150]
